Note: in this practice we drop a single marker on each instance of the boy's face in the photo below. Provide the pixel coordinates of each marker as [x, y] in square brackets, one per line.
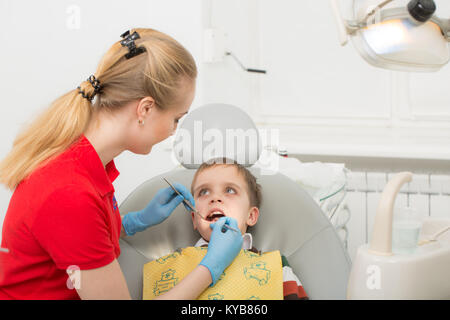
[221, 191]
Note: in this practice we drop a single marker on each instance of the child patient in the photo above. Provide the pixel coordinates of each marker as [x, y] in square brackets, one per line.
[223, 188]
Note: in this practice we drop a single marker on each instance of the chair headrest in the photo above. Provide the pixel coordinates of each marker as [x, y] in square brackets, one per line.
[217, 130]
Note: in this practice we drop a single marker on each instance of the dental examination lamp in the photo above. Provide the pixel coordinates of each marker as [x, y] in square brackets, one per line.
[407, 38]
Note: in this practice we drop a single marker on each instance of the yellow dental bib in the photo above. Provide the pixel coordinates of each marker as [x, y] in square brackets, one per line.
[251, 276]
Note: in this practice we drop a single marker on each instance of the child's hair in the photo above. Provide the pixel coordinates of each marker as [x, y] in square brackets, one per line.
[253, 188]
[158, 72]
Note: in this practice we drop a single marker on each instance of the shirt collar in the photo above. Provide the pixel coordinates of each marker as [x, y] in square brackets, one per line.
[246, 243]
[102, 177]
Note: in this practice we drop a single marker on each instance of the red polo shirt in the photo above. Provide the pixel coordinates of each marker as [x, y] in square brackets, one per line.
[64, 214]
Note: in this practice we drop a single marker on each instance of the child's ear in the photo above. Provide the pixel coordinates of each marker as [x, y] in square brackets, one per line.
[193, 220]
[253, 216]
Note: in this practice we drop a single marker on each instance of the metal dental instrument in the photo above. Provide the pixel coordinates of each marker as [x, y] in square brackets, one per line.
[192, 208]
[4, 250]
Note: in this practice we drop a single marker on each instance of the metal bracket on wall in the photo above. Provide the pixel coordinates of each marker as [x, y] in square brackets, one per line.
[242, 66]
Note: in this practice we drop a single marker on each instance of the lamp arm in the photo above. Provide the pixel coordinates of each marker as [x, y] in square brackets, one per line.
[375, 9]
[446, 29]
[344, 28]
[444, 25]
[349, 27]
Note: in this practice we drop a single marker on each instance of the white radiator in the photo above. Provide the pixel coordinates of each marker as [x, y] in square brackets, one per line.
[428, 193]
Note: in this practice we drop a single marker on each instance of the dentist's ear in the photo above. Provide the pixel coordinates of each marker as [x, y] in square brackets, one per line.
[253, 216]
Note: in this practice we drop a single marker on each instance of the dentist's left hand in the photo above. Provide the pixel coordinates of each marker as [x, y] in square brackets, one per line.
[158, 210]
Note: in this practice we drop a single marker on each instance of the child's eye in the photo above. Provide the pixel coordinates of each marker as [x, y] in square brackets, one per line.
[230, 190]
[202, 192]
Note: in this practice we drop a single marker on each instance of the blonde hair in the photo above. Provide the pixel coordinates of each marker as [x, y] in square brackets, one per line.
[157, 73]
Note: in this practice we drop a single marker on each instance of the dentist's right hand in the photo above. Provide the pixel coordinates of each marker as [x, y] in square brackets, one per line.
[224, 246]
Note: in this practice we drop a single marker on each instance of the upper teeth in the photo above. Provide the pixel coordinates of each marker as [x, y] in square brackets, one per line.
[216, 212]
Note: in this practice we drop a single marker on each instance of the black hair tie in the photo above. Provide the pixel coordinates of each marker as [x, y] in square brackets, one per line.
[95, 84]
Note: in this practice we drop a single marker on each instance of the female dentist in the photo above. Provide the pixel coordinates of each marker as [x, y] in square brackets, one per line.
[63, 215]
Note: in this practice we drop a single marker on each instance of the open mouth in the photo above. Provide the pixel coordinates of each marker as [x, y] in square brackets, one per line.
[215, 215]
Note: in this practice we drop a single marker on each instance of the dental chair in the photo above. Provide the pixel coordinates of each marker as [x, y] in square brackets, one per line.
[290, 220]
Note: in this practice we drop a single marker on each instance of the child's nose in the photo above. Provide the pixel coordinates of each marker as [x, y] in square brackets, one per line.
[215, 199]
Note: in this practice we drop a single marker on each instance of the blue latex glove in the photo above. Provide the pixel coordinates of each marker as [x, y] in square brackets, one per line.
[224, 246]
[158, 210]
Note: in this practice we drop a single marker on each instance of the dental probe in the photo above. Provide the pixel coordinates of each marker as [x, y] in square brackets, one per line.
[192, 208]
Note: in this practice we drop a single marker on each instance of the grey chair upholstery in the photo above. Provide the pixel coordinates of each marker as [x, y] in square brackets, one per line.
[290, 221]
